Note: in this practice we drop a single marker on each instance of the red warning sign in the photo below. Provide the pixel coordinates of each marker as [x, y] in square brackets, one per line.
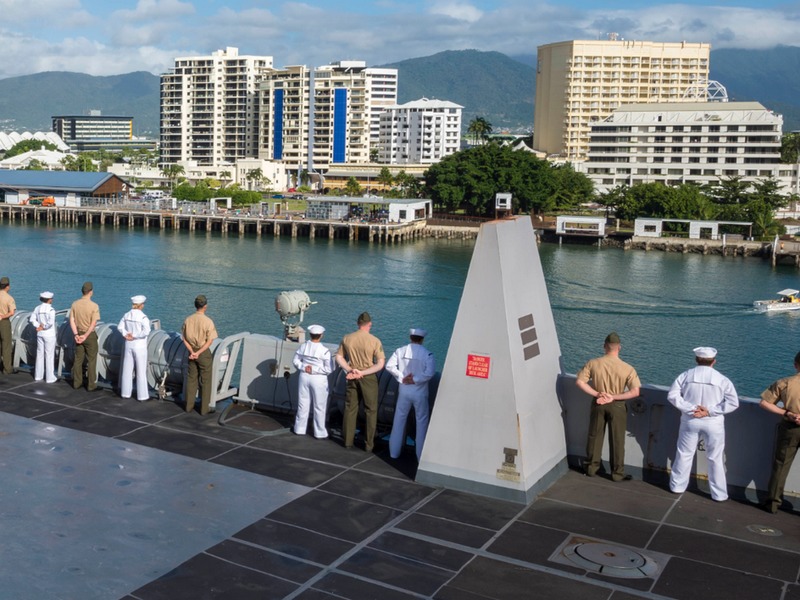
[478, 366]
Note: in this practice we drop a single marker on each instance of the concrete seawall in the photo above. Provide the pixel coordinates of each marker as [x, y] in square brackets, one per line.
[702, 246]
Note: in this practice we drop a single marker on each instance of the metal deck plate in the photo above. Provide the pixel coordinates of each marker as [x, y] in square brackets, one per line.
[86, 516]
[610, 559]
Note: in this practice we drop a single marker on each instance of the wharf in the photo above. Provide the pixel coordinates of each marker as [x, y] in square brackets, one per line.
[106, 498]
[699, 246]
[231, 223]
[783, 250]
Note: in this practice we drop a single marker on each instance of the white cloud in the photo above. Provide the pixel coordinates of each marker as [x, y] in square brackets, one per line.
[38, 11]
[151, 34]
[146, 10]
[458, 11]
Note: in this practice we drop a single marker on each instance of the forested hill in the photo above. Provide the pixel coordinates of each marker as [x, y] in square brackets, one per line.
[768, 76]
[29, 102]
[487, 84]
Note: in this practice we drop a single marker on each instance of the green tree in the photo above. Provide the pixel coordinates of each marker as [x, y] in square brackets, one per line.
[790, 148]
[480, 129]
[81, 162]
[225, 176]
[468, 180]
[612, 198]
[27, 145]
[385, 178]
[257, 178]
[35, 165]
[352, 188]
[730, 194]
[245, 197]
[172, 172]
[762, 216]
[767, 191]
[646, 200]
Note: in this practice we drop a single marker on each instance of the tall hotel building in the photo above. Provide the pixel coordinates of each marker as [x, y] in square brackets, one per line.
[314, 118]
[582, 82]
[209, 108]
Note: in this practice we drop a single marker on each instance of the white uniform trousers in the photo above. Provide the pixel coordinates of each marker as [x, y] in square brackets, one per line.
[407, 397]
[713, 430]
[135, 354]
[312, 389]
[45, 356]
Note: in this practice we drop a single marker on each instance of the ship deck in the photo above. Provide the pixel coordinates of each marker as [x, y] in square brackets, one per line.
[111, 498]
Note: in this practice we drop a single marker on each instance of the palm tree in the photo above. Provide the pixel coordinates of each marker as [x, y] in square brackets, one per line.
[172, 173]
[385, 178]
[480, 129]
[257, 177]
[225, 176]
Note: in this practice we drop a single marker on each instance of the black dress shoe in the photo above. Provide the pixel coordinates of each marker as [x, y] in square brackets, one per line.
[769, 506]
[623, 478]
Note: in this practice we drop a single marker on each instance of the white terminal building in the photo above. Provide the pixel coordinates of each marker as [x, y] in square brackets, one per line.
[209, 108]
[698, 142]
[420, 132]
[312, 118]
[581, 82]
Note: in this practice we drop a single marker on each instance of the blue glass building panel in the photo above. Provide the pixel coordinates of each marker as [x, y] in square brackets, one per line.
[277, 138]
[339, 125]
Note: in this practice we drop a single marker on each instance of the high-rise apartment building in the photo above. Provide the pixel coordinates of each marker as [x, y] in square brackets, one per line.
[419, 132]
[312, 118]
[581, 82]
[209, 108]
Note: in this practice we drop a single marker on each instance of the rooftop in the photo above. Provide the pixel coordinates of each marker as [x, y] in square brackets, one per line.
[78, 181]
[112, 498]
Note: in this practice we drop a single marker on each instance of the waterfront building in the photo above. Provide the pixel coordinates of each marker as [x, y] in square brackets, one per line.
[419, 132]
[697, 142]
[66, 187]
[209, 108]
[97, 132]
[9, 140]
[368, 175]
[273, 174]
[368, 208]
[580, 82]
[50, 160]
[312, 118]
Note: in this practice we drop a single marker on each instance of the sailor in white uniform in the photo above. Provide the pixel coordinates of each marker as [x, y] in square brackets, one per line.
[703, 396]
[412, 366]
[134, 327]
[313, 361]
[43, 318]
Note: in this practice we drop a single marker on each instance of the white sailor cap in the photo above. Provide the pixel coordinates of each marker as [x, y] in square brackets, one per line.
[138, 299]
[46, 295]
[316, 329]
[417, 332]
[705, 352]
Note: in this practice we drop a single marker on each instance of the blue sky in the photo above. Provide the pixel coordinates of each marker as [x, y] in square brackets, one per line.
[107, 37]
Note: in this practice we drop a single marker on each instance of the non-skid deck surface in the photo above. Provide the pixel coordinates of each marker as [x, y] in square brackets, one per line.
[108, 498]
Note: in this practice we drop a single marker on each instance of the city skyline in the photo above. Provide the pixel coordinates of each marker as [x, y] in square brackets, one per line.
[101, 38]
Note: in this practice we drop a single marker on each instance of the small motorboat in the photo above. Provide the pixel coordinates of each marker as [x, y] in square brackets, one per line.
[787, 300]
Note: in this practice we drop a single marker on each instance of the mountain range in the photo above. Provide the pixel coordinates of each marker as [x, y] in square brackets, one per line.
[492, 85]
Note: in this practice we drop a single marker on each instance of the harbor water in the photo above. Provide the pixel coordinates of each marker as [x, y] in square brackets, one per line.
[661, 304]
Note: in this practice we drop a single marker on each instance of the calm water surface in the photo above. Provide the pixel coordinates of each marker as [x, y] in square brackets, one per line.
[661, 304]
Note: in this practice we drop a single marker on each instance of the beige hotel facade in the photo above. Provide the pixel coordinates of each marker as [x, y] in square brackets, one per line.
[581, 82]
